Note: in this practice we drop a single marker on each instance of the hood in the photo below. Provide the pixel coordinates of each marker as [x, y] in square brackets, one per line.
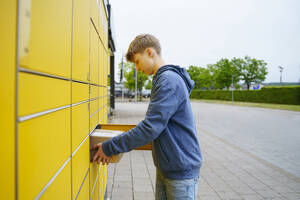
[180, 71]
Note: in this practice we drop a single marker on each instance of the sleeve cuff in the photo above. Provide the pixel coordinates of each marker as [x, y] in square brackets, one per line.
[106, 148]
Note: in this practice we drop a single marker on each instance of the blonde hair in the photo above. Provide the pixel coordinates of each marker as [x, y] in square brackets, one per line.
[140, 43]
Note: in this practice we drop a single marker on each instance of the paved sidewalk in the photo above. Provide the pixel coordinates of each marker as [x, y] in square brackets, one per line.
[228, 172]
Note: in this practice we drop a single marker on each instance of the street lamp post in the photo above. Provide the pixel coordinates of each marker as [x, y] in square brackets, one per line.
[122, 75]
[280, 69]
[232, 87]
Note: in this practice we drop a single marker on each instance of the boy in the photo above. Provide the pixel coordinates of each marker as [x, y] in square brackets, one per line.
[169, 124]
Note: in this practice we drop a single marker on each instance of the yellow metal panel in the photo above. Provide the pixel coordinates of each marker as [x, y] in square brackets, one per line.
[80, 92]
[39, 93]
[94, 65]
[80, 165]
[102, 180]
[104, 23]
[61, 187]
[93, 121]
[8, 21]
[84, 192]
[101, 19]
[81, 25]
[94, 170]
[95, 13]
[45, 36]
[80, 124]
[100, 63]
[44, 146]
[94, 91]
[104, 69]
[96, 191]
[105, 116]
[94, 106]
[105, 26]
[101, 66]
[102, 94]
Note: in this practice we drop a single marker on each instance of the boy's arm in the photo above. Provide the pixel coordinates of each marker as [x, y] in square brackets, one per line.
[163, 105]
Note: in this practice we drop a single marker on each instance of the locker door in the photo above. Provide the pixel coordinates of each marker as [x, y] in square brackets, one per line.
[45, 36]
[81, 26]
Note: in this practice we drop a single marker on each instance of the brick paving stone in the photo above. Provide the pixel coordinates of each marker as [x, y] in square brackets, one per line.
[229, 195]
[269, 193]
[291, 196]
[143, 196]
[208, 197]
[251, 197]
[122, 193]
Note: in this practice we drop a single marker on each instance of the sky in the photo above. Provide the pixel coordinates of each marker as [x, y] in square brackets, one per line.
[201, 32]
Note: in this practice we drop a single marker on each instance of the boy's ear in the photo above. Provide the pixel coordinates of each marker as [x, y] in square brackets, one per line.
[149, 52]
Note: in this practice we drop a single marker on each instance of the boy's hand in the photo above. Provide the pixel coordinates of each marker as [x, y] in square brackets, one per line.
[100, 156]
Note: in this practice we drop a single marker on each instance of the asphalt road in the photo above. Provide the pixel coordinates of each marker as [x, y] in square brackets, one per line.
[272, 135]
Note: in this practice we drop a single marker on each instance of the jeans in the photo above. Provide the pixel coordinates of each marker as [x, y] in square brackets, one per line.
[168, 189]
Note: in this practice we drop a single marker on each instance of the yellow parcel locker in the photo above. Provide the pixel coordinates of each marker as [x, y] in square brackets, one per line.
[94, 180]
[44, 146]
[102, 180]
[99, 113]
[39, 93]
[94, 13]
[94, 92]
[94, 169]
[104, 71]
[93, 121]
[81, 26]
[80, 92]
[96, 195]
[80, 124]
[80, 166]
[8, 18]
[84, 192]
[94, 56]
[101, 19]
[45, 36]
[104, 24]
[100, 63]
[61, 186]
[93, 107]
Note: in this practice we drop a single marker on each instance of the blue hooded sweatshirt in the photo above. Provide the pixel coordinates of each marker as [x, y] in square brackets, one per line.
[169, 124]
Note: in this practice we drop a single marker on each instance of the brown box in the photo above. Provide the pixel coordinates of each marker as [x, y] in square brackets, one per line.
[101, 135]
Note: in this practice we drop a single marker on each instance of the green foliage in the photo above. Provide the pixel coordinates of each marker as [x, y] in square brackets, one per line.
[283, 86]
[129, 79]
[251, 70]
[149, 85]
[284, 95]
[227, 72]
[201, 76]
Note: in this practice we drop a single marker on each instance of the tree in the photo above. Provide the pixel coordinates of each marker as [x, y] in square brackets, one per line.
[250, 70]
[225, 73]
[201, 76]
[129, 79]
[194, 72]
